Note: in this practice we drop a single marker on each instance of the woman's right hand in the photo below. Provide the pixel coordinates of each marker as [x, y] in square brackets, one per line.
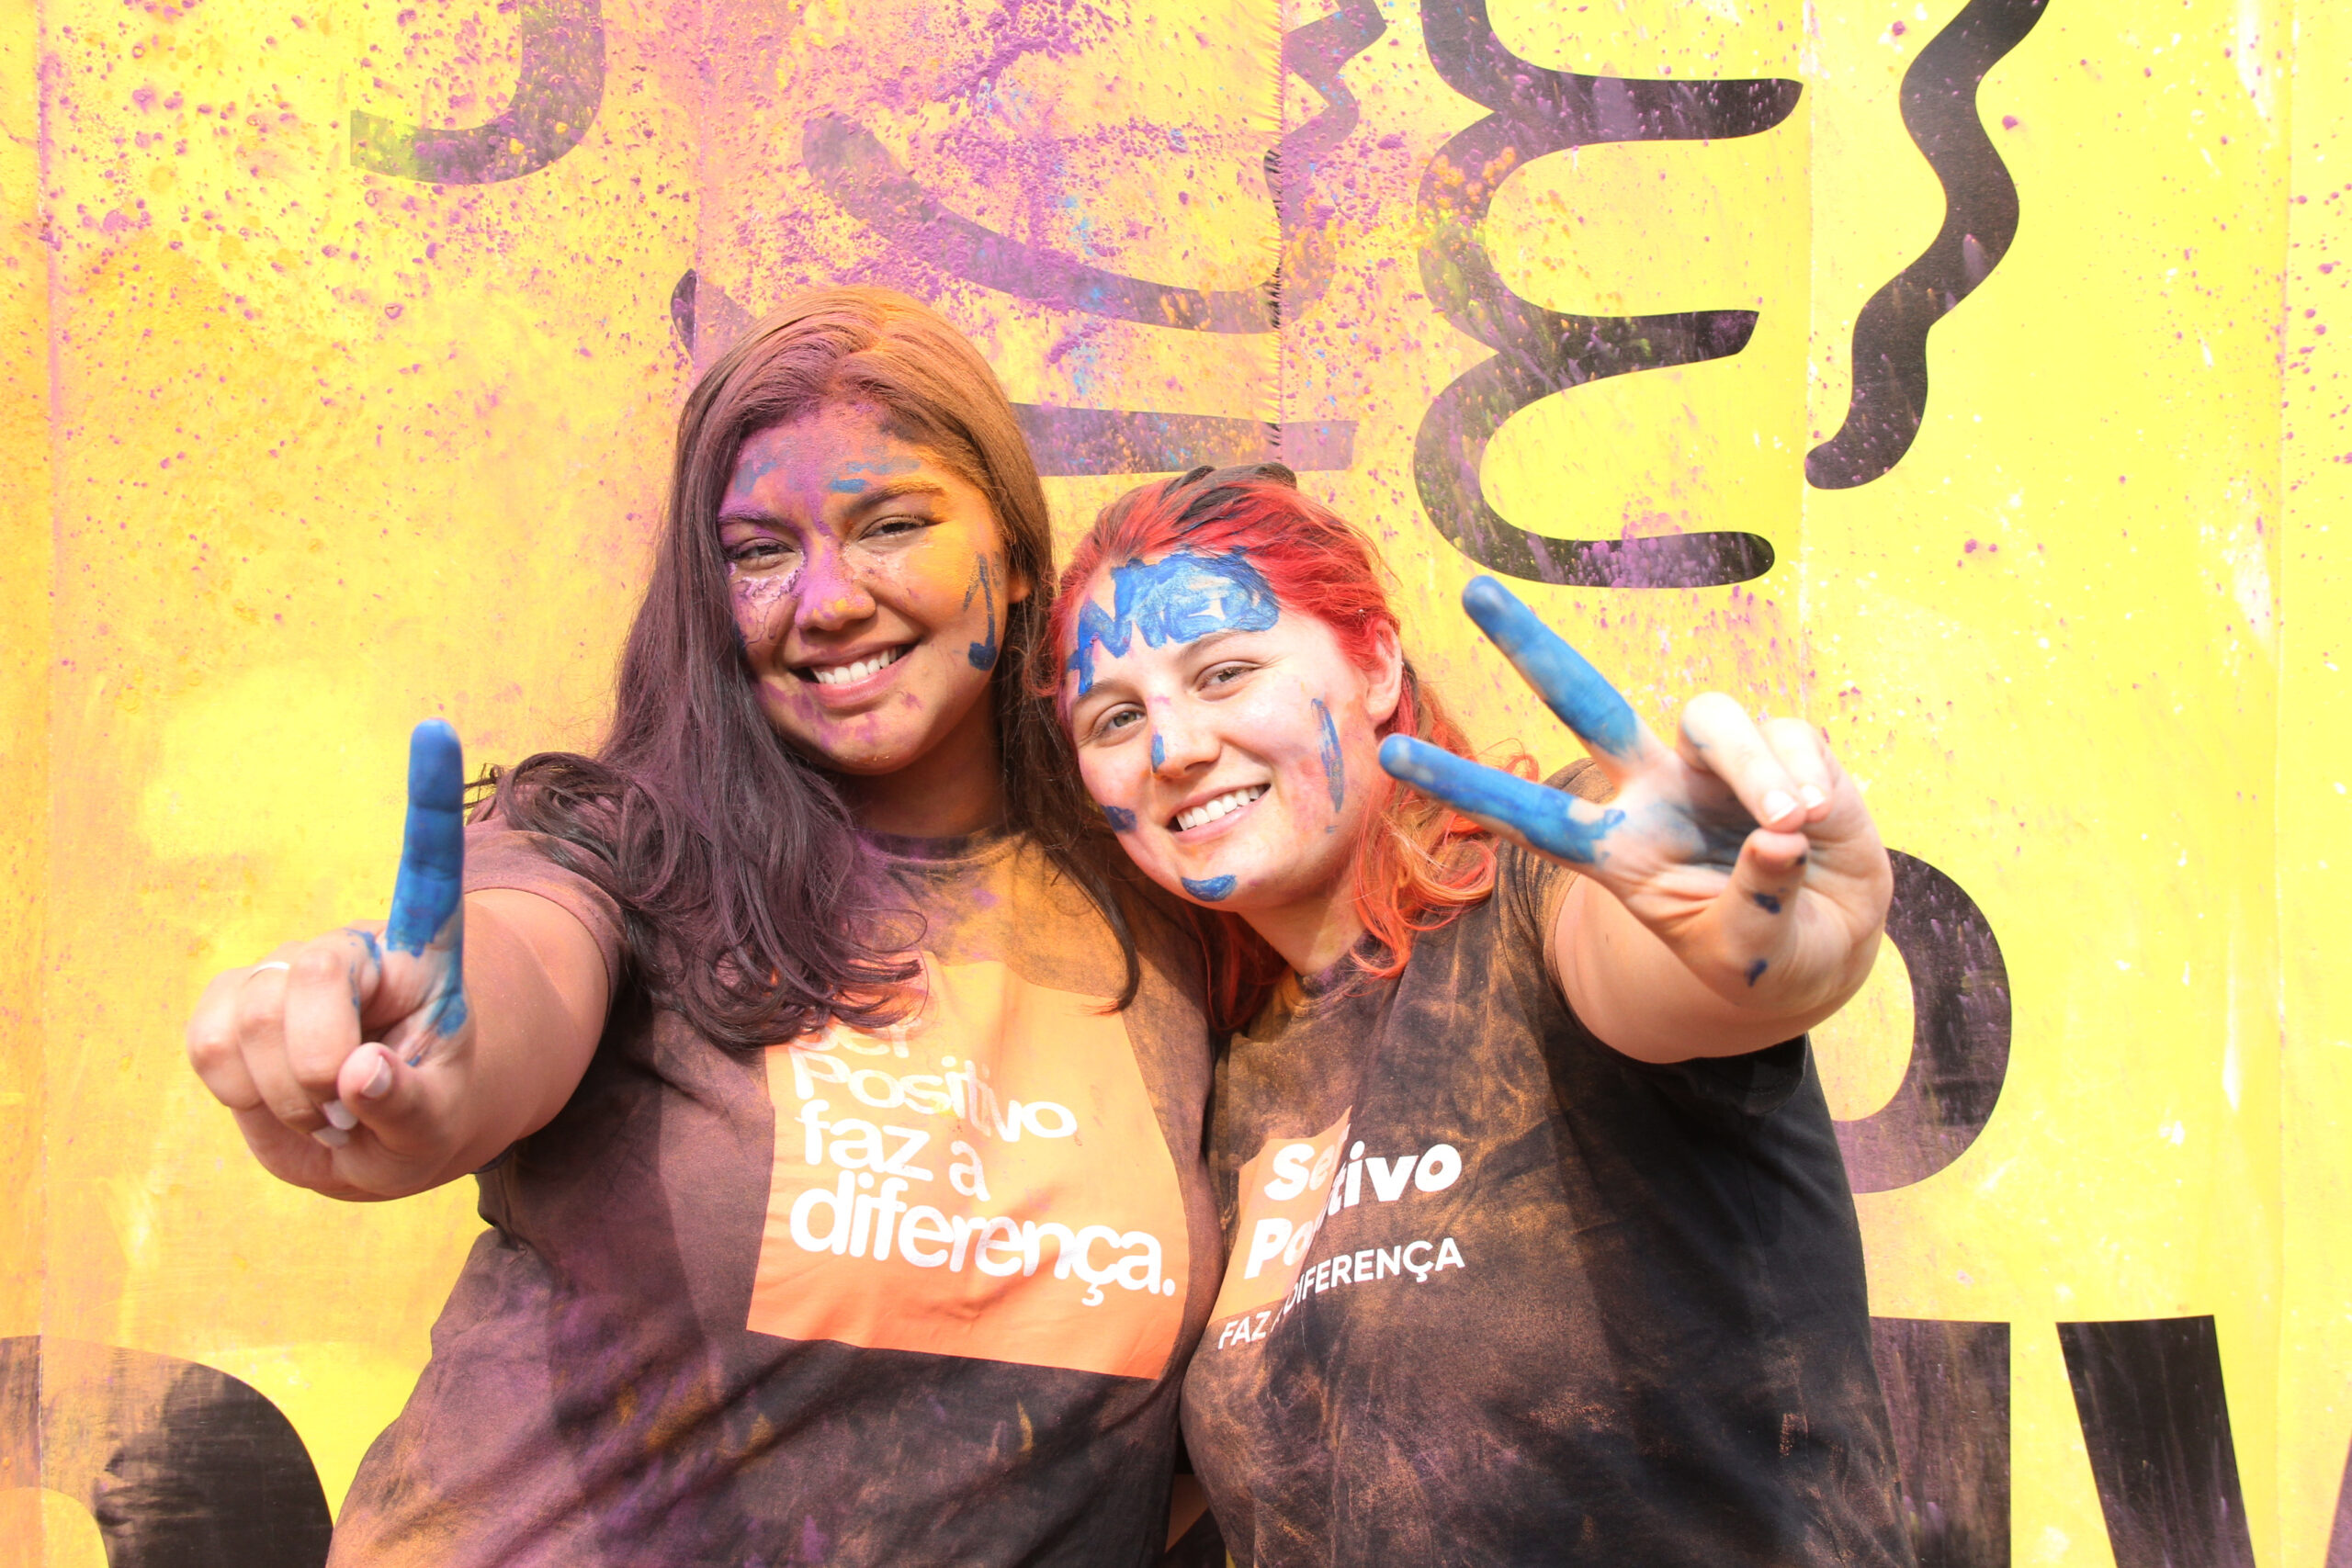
[344, 1058]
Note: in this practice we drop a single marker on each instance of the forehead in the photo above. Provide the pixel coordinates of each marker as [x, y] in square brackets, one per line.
[840, 449]
[1167, 604]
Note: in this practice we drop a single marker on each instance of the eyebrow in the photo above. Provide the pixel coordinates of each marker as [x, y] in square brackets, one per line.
[883, 491]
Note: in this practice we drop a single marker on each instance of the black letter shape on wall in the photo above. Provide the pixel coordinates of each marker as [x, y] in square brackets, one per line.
[2157, 1424]
[555, 99]
[1068, 441]
[1980, 220]
[858, 172]
[1540, 352]
[1960, 1035]
[1948, 1397]
[182, 1466]
[2339, 1540]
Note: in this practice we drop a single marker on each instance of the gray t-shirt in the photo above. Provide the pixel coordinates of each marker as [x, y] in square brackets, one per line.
[920, 1295]
[1499, 1293]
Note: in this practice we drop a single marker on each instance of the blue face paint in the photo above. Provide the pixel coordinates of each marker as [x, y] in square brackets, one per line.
[1570, 687]
[1754, 970]
[427, 894]
[1178, 600]
[1210, 891]
[1122, 821]
[1767, 903]
[1558, 825]
[1159, 750]
[983, 654]
[1335, 768]
[851, 483]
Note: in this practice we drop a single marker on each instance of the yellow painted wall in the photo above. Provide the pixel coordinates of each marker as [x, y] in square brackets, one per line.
[295, 453]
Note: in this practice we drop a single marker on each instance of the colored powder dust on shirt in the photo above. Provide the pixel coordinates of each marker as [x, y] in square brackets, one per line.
[916, 1294]
[1497, 1293]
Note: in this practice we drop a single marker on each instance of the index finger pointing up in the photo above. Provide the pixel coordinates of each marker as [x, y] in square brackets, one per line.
[432, 849]
[1569, 685]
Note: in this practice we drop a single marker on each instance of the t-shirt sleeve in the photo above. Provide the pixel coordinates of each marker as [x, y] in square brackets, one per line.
[499, 856]
[1532, 886]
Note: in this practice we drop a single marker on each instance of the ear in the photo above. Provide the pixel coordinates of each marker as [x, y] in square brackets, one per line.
[1016, 585]
[1384, 681]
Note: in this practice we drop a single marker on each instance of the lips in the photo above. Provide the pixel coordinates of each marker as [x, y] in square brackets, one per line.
[1216, 808]
[849, 675]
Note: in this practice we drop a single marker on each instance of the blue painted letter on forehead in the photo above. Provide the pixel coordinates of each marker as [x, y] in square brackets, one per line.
[1181, 599]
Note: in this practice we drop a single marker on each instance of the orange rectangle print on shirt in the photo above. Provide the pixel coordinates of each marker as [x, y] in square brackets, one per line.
[988, 1181]
[1286, 1192]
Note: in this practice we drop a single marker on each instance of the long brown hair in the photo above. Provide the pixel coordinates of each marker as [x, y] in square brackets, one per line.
[1418, 862]
[749, 899]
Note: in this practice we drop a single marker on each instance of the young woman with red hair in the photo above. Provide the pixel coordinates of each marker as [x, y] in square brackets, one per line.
[1541, 1246]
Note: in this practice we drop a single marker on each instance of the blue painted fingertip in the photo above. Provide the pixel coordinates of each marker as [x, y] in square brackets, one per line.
[1567, 682]
[1548, 820]
[432, 849]
[429, 891]
[1210, 890]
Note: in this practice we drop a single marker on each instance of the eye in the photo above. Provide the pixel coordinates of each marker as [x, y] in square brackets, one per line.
[1224, 674]
[759, 552]
[1118, 719]
[897, 527]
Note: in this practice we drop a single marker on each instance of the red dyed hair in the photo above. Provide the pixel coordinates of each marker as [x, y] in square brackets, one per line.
[1420, 863]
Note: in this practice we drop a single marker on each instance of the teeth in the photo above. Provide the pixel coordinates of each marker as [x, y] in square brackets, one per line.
[1224, 805]
[842, 675]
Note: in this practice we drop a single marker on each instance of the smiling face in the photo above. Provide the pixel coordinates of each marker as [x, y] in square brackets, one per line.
[869, 585]
[1230, 742]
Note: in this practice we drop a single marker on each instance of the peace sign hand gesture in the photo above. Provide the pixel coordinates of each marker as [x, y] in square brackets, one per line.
[1745, 851]
[342, 1056]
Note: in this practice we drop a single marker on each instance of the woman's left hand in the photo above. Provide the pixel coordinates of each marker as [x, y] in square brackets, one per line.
[1745, 849]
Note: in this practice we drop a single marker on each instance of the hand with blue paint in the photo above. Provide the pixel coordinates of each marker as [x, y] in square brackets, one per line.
[351, 1061]
[1743, 852]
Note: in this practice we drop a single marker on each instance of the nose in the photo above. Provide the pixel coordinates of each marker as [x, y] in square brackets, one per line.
[1180, 743]
[832, 596]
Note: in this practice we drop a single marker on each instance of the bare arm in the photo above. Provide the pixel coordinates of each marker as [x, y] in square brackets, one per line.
[384, 1059]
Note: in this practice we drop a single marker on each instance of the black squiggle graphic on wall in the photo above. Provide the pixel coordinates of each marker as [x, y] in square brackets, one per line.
[1890, 395]
[2156, 1421]
[1540, 352]
[1070, 442]
[555, 99]
[1960, 1035]
[859, 173]
[180, 1466]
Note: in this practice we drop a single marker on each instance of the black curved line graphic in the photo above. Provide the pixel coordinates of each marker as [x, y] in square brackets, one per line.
[556, 100]
[859, 173]
[1066, 441]
[1960, 1035]
[181, 1466]
[1890, 396]
[1540, 352]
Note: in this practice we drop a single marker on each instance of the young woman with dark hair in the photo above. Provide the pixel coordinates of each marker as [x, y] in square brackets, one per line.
[836, 1103]
[1541, 1248]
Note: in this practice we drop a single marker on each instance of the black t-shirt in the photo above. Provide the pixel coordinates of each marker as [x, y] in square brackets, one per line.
[1499, 1294]
[917, 1295]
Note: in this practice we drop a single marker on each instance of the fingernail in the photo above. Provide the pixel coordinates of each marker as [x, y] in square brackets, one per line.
[340, 1114]
[333, 1137]
[1813, 796]
[379, 1083]
[1777, 804]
